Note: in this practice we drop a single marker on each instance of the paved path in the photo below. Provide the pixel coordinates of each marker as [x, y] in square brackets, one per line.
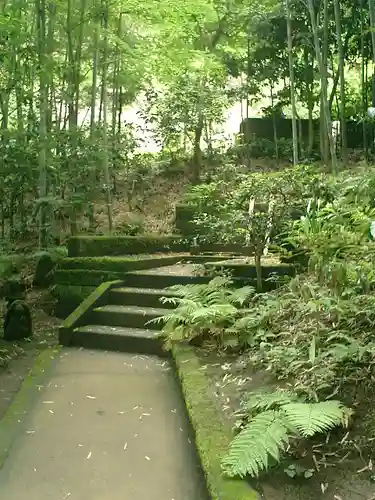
[107, 426]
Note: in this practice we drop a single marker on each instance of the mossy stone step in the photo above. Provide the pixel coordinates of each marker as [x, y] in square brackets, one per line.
[115, 338]
[147, 280]
[148, 297]
[241, 269]
[128, 316]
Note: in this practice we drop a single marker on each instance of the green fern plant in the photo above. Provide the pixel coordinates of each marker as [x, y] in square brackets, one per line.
[202, 309]
[276, 418]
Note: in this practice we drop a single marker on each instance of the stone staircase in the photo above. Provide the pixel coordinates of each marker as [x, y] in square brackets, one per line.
[122, 324]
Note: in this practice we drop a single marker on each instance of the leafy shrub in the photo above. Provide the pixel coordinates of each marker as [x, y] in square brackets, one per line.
[309, 334]
[133, 225]
[203, 310]
[314, 333]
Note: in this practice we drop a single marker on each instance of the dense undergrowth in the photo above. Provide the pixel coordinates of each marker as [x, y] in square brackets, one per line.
[313, 335]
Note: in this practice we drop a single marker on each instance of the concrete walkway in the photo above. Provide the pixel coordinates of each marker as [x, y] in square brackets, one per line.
[107, 426]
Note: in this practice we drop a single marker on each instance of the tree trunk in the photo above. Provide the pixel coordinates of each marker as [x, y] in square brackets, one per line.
[43, 115]
[197, 155]
[341, 65]
[94, 88]
[77, 59]
[371, 8]
[363, 87]
[258, 270]
[310, 100]
[105, 116]
[326, 111]
[248, 76]
[275, 138]
[291, 77]
[324, 82]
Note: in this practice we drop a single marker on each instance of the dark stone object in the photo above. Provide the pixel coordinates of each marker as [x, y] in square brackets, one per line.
[43, 272]
[17, 322]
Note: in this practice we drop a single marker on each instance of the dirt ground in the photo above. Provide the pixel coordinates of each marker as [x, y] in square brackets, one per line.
[348, 479]
[20, 356]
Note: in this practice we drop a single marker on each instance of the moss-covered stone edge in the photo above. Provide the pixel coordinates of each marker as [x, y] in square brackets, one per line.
[69, 297]
[74, 271]
[87, 304]
[123, 263]
[74, 292]
[12, 422]
[116, 264]
[212, 435]
[280, 268]
[85, 277]
[91, 246]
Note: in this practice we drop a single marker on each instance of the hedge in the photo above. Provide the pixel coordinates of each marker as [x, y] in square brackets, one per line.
[212, 435]
[97, 246]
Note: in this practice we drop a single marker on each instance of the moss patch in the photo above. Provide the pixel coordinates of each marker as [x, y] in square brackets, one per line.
[22, 404]
[212, 435]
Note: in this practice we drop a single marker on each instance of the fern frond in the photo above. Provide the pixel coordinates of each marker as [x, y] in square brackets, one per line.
[170, 300]
[266, 435]
[241, 295]
[260, 401]
[214, 312]
[311, 418]
[202, 292]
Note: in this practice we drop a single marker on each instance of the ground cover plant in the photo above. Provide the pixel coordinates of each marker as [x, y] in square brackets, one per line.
[313, 336]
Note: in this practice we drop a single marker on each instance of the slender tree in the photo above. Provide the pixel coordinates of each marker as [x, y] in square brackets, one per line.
[105, 153]
[43, 117]
[341, 69]
[324, 89]
[292, 84]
